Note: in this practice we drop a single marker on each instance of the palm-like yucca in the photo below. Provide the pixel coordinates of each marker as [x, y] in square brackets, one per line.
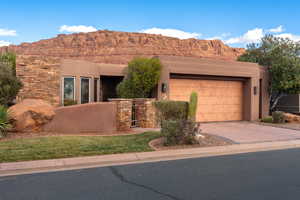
[4, 121]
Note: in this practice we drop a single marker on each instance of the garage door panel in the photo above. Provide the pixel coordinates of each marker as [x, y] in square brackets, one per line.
[217, 100]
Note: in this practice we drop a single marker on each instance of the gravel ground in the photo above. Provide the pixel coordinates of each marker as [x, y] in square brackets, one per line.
[207, 141]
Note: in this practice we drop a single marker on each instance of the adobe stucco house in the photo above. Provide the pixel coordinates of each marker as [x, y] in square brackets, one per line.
[227, 90]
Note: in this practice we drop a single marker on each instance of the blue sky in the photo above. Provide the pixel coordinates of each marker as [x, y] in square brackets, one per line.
[235, 22]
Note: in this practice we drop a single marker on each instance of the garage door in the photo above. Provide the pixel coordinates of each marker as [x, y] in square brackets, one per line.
[217, 100]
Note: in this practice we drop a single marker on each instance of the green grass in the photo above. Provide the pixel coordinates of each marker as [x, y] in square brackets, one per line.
[72, 146]
[268, 119]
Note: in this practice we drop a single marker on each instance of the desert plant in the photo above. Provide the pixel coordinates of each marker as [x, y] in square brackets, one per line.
[172, 130]
[179, 132]
[142, 76]
[171, 110]
[4, 121]
[193, 106]
[278, 117]
[9, 85]
[268, 119]
[69, 102]
[9, 59]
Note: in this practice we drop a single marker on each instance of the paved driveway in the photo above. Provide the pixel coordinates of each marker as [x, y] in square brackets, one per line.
[247, 132]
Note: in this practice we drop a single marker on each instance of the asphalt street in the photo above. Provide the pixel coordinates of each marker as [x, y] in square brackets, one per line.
[253, 176]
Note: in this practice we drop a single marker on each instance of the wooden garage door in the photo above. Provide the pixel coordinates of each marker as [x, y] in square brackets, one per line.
[217, 100]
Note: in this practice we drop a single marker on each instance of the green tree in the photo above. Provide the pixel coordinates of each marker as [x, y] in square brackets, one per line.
[9, 85]
[9, 59]
[142, 76]
[281, 57]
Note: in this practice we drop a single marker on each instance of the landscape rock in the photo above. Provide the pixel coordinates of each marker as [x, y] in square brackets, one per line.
[120, 47]
[291, 117]
[30, 115]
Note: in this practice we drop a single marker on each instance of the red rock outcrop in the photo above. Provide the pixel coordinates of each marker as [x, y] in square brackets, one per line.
[31, 114]
[119, 47]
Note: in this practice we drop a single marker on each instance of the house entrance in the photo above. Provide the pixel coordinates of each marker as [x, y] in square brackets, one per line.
[109, 85]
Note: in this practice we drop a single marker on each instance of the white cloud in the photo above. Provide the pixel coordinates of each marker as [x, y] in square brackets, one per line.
[6, 32]
[256, 34]
[219, 37]
[4, 43]
[250, 36]
[278, 29]
[77, 29]
[290, 36]
[171, 33]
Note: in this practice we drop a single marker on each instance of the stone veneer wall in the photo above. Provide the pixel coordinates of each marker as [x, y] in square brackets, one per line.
[145, 113]
[124, 113]
[40, 77]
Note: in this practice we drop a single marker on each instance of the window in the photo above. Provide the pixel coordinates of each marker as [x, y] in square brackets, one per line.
[96, 83]
[85, 90]
[68, 89]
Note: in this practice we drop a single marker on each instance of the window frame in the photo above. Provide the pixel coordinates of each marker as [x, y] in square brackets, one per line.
[89, 78]
[97, 80]
[63, 88]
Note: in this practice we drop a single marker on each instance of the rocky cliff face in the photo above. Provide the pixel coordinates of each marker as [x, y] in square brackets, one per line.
[120, 47]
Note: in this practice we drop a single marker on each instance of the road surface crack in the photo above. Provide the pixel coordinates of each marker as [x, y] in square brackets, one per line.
[117, 174]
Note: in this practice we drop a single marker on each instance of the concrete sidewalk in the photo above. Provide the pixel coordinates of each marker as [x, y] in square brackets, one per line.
[38, 166]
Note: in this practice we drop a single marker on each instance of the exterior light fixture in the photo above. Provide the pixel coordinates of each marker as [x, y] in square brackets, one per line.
[164, 87]
[255, 90]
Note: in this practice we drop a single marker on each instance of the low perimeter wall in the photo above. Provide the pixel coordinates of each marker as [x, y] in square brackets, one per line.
[86, 118]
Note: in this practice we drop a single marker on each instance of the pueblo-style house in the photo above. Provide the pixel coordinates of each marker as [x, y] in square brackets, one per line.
[87, 67]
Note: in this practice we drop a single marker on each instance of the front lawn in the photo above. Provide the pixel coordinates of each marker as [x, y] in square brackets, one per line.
[71, 146]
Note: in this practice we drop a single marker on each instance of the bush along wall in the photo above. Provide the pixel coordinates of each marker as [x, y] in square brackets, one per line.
[171, 110]
[142, 76]
[177, 119]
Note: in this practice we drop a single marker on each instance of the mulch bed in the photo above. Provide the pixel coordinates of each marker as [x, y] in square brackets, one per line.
[207, 141]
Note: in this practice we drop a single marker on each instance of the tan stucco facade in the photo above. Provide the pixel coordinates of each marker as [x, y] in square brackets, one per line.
[84, 69]
[252, 77]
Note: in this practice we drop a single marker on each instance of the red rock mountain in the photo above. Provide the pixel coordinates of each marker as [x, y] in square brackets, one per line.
[119, 47]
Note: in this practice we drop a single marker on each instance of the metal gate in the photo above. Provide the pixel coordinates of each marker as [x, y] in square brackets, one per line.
[134, 120]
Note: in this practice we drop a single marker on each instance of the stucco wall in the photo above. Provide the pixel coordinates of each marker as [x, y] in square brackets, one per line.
[250, 73]
[86, 118]
[80, 68]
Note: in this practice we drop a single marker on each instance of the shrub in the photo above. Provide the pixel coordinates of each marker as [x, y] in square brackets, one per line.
[172, 131]
[69, 102]
[278, 117]
[179, 132]
[171, 110]
[193, 106]
[124, 89]
[142, 76]
[9, 59]
[268, 119]
[9, 85]
[4, 121]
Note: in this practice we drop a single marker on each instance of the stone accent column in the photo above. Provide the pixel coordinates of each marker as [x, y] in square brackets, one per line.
[41, 78]
[145, 113]
[124, 113]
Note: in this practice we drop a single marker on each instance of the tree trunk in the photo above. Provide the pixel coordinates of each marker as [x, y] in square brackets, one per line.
[274, 99]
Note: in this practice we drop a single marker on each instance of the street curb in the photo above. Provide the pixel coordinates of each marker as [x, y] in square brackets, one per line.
[38, 166]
